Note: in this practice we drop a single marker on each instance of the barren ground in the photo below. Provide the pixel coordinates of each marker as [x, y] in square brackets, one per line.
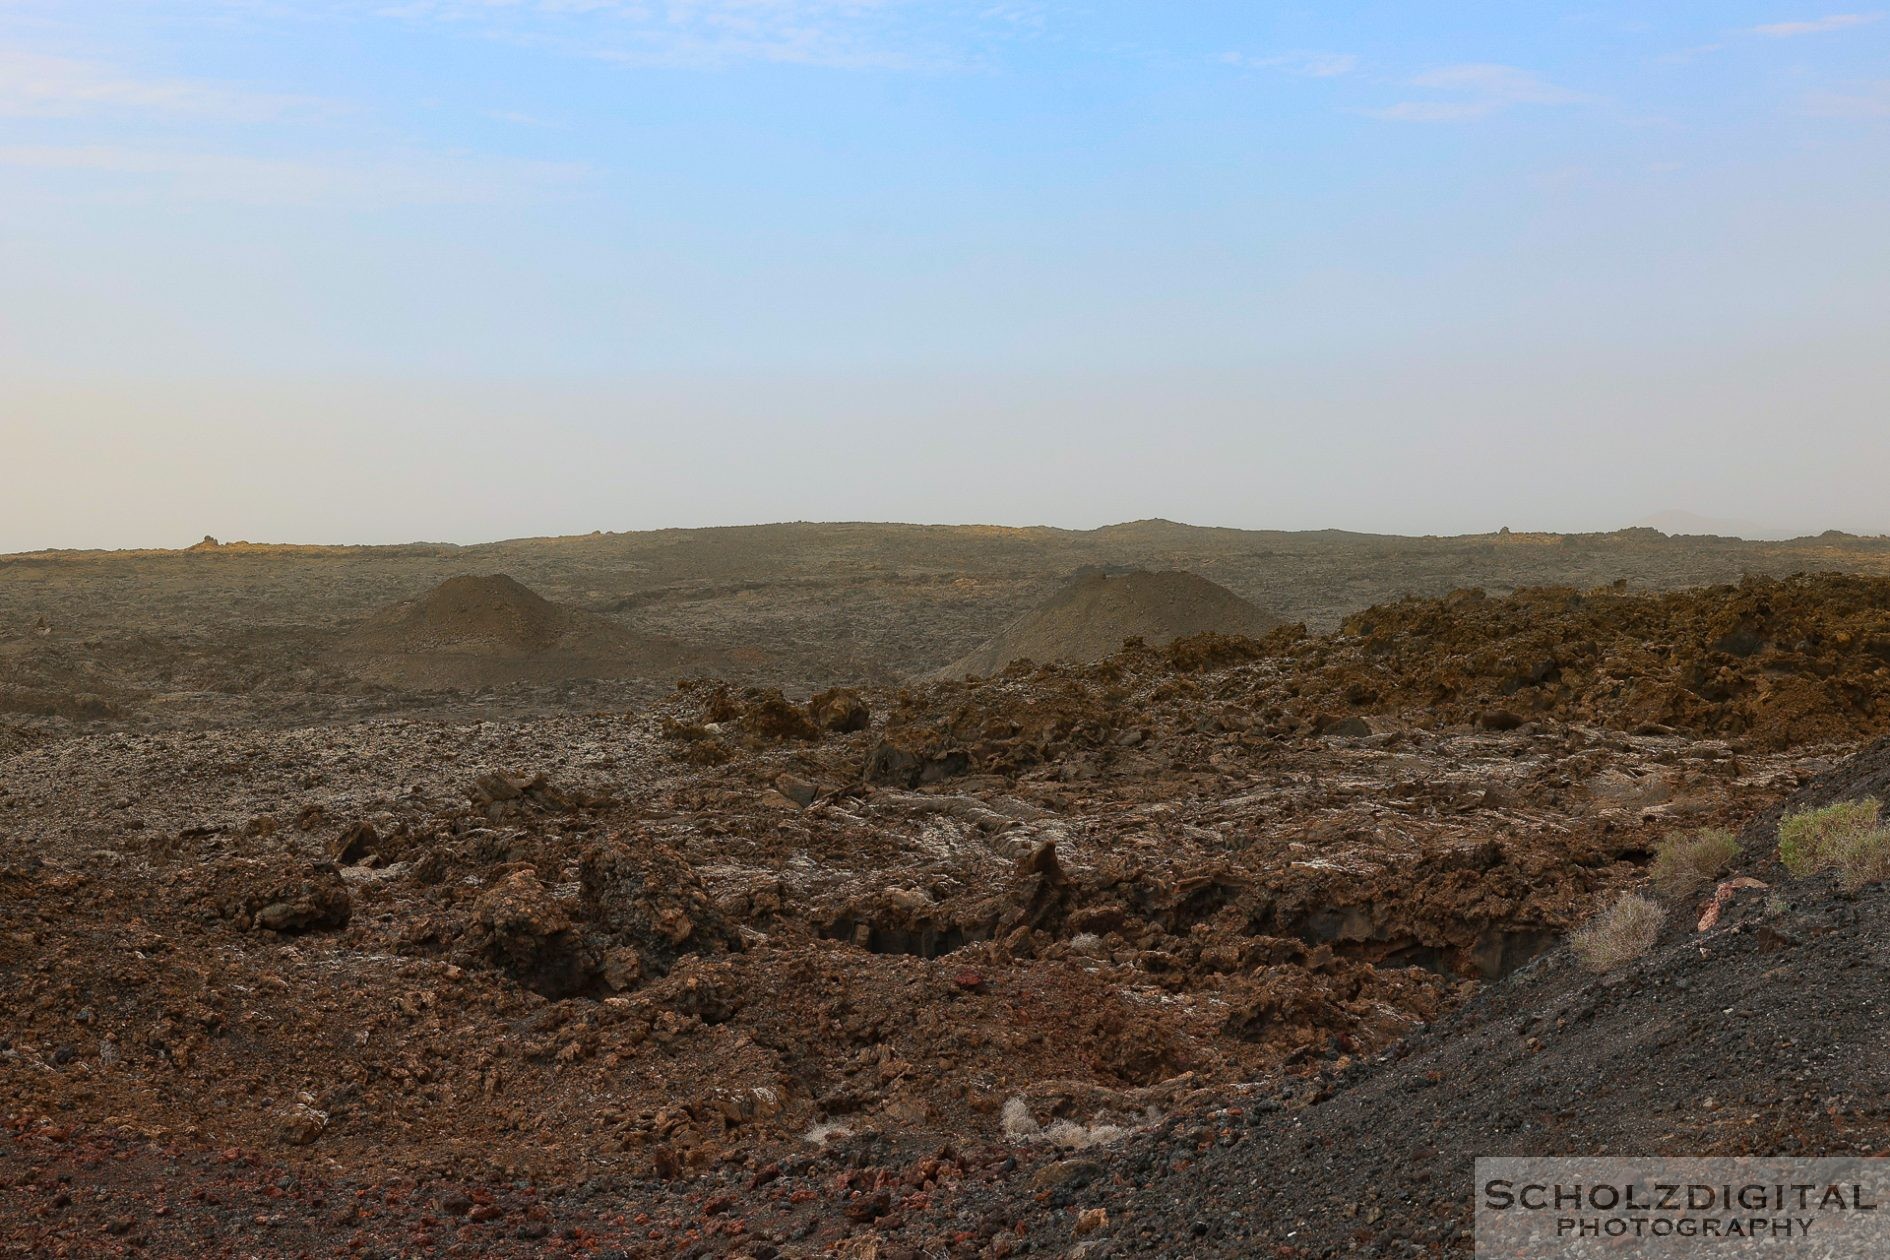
[299, 960]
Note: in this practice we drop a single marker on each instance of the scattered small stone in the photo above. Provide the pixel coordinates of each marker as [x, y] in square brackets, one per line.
[796, 789]
[301, 1124]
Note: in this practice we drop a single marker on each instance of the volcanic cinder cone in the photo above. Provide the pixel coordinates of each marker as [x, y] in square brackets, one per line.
[477, 631]
[1092, 616]
[474, 614]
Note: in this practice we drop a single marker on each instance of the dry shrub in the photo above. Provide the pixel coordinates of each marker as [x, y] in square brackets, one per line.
[1865, 859]
[1020, 1126]
[1688, 860]
[1816, 839]
[1619, 934]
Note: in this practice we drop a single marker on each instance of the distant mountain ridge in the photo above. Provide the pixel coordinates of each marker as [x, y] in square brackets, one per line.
[1680, 522]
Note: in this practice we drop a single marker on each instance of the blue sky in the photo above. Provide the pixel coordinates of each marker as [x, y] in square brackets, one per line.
[703, 237]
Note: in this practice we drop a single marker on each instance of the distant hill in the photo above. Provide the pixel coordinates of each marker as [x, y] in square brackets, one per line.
[493, 614]
[1091, 617]
[479, 631]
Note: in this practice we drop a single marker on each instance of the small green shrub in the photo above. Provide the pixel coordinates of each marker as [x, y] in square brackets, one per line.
[1687, 860]
[1619, 934]
[1815, 839]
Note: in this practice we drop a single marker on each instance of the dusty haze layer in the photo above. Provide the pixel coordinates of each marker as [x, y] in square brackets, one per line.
[1417, 441]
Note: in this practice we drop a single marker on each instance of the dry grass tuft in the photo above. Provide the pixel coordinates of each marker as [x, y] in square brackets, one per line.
[1619, 934]
[1865, 859]
[1817, 839]
[1020, 1126]
[1687, 861]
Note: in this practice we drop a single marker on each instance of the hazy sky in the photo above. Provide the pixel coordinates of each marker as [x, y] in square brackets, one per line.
[373, 270]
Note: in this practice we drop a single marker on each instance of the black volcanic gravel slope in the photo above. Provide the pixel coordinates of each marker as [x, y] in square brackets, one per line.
[1765, 1035]
[1865, 773]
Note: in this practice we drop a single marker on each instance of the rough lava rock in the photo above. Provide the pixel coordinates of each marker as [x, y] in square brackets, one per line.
[279, 894]
[639, 908]
[840, 710]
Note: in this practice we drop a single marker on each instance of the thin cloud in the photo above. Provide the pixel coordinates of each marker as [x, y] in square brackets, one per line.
[1476, 90]
[356, 182]
[1310, 65]
[33, 85]
[1872, 102]
[517, 118]
[1434, 111]
[1505, 84]
[1686, 56]
[833, 34]
[1816, 26]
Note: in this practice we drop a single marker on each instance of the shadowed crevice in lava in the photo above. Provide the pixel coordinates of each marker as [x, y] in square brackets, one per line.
[919, 940]
[1361, 932]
